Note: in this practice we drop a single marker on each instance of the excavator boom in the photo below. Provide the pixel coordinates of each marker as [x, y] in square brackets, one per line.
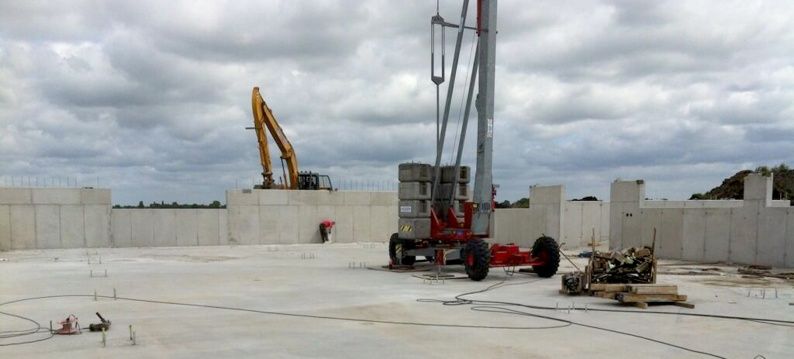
[263, 118]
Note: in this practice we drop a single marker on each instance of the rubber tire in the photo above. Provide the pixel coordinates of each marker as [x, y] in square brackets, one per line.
[406, 260]
[480, 252]
[552, 249]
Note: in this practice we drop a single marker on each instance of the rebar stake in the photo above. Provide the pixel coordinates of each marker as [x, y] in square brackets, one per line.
[104, 338]
[114, 293]
[95, 295]
[130, 331]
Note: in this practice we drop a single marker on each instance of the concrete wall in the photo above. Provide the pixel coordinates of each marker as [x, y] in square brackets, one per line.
[32, 218]
[278, 216]
[570, 222]
[168, 227]
[756, 230]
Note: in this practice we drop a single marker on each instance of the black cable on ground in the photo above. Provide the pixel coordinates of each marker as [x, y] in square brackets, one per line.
[25, 332]
[499, 307]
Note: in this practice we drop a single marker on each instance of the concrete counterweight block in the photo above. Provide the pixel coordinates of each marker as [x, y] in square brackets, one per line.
[415, 172]
[448, 174]
[414, 190]
[413, 228]
[414, 209]
[461, 191]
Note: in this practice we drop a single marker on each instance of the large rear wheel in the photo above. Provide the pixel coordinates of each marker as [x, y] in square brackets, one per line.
[397, 249]
[547, 249]
[476, 259]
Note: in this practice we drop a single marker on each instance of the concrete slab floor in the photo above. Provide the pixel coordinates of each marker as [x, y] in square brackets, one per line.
[316, 280]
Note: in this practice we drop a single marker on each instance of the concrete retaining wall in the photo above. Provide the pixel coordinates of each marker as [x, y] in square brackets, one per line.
[279, 216]
[41, 218]
[570, 222]
[756, 230]
[168, 227]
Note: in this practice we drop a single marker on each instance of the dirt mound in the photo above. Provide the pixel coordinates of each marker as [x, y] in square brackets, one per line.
[733, 186]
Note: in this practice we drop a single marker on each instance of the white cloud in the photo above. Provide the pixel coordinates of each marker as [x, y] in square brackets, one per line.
[151, 98]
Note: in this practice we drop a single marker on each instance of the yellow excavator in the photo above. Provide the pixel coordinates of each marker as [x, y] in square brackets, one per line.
[293, 178]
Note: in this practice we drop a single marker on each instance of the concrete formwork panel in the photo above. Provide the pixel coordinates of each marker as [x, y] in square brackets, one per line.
[303, 198]
[164, 227]
[5, 228]
[268, 224]
[789, 257]
[95, 196]
[223, 226]
[186, 227]
[97, 225]
[649, 218]
[344, 224]
[616, 225]
[16, 196]
[330, 198]
[357, 198]
[72, 226]
[240, 198]
[23, 227]
[591, 222]
[121, 227]
[510, 225]
[693, 234]
[272, 197]
[142, 228]
[308, 225]
[632, 229]
[383, 221]
[243, 224]
[361, 223]
[56, 196]
[383, 199]
[771, 237]
[48, 226]
[605, 221]
[717, 234]
[670, 235]
[572, 231]
[627, 191]
[744, 229]
[208, 227]
[288, 231]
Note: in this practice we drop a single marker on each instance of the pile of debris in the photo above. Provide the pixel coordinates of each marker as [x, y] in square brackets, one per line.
[634, 265]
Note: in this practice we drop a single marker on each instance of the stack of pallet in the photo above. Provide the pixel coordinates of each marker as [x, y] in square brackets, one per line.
[640, 295]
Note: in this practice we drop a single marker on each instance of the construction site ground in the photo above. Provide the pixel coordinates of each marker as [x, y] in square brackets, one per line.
[296, 301]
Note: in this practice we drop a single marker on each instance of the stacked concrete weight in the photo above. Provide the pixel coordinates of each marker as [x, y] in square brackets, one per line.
[460, 189]
[416, 183]
[415, 191]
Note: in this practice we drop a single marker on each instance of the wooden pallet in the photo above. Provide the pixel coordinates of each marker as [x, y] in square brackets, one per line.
[640, 295]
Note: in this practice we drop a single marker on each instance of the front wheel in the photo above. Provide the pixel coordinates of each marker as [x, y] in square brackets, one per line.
[396, 251]
[547, 249]
[476, 259]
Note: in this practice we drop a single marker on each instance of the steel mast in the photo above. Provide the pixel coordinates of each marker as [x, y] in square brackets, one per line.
[483, 178]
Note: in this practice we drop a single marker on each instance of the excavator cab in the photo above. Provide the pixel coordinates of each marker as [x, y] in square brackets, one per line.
[314, 181]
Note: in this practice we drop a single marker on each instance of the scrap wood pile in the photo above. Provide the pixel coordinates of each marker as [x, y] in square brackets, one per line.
[640, 294]
[634, 265]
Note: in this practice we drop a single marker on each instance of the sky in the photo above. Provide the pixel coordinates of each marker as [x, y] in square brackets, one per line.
[151, 98]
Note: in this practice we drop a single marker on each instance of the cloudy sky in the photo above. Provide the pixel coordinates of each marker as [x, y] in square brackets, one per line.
[151, 98]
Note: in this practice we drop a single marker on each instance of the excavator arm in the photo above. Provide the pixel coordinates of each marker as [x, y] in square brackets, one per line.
[263, 118]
